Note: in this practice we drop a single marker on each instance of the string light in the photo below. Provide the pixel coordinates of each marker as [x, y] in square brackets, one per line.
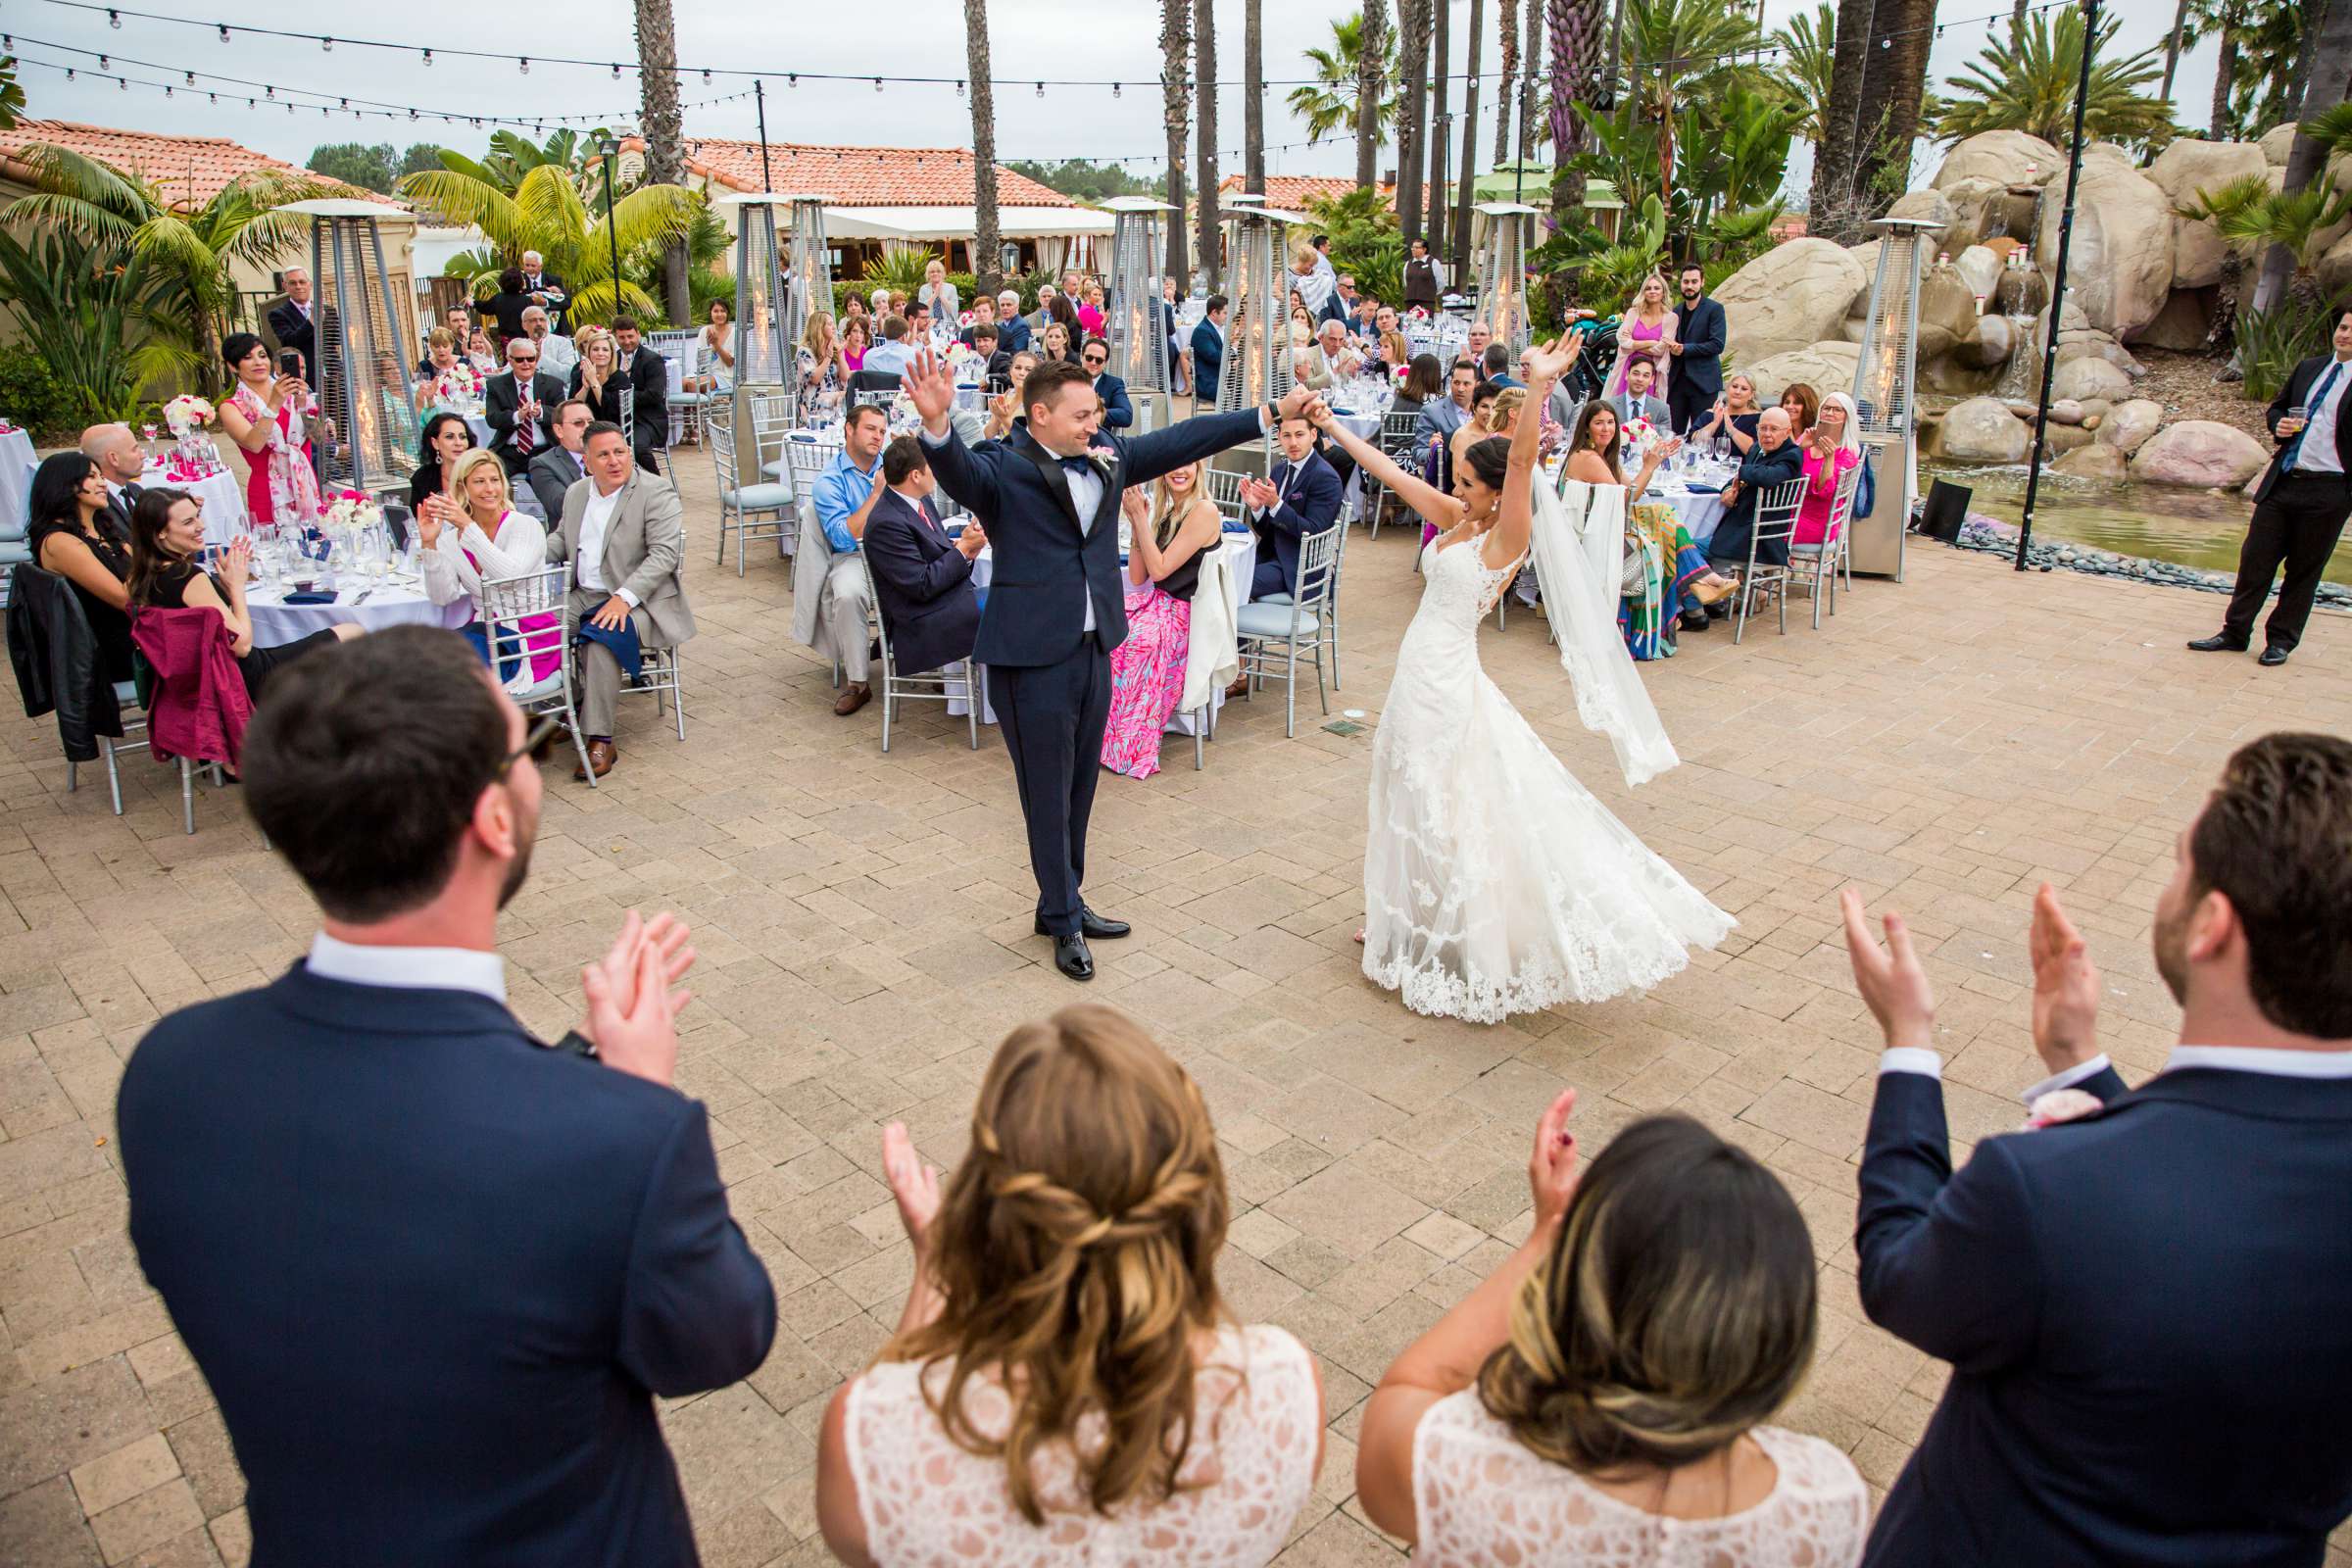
[1114, 90]
[524, 63]
[113, 20]
[224, 32]
[428, 59]
[326, 46]
[1041, 89]
[102, 61]
[616, 71]
[877, 85]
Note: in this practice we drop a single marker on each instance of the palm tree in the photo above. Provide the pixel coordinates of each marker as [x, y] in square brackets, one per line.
[1576, 29]
[2028, 84]
[1830, 210]
[2172, 50]
[545, 213]
[1532, 36]
[1675, 49]
[664, 135]
[1461, 193]
[1329, 102]
[1412, 25]
[1891, 94]
[2250, 215]
[1175, 45]
[186, 254]
[984, 148]
[1441, 128]
[2329, 130]
[1505, 81]
[1375, 70]
[1204, 136]
[1808, 43]
[1253, 97]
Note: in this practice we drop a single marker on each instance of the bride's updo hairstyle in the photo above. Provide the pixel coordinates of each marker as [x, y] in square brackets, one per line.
[1075, 1249]
[1674, 1310]
[1488, 459]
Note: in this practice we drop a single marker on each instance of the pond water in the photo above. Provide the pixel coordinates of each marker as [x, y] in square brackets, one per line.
[2157, 521]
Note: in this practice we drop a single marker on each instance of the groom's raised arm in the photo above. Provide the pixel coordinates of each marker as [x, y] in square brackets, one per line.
[1146, 457]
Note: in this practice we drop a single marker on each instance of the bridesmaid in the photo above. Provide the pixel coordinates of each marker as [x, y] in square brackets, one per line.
[1163, 568]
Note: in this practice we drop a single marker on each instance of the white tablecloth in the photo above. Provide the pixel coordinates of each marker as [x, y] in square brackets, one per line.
[224, 498]
[17, 463]
[1698, 504]
[393, 602]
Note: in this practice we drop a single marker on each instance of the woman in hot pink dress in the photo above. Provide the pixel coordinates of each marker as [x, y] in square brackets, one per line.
[263, 416]
[1832, 447]
[1163, 568]
[1648, 327]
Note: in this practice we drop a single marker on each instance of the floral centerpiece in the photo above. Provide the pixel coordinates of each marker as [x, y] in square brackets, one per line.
[459, 388]
[1639, 433]
[353, 508]
[193, 455]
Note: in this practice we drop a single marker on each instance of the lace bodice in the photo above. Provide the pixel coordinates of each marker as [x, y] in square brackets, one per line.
[1461, 587]
[1480, 1496]
[927, 1503]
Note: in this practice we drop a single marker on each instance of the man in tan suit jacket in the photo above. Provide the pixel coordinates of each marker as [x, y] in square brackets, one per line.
[624, 533]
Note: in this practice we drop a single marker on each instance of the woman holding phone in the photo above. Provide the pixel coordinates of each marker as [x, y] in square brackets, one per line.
[264, 416]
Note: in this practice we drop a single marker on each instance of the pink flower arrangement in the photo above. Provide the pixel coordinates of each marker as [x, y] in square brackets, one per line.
[2062, 1105]
[963, 319]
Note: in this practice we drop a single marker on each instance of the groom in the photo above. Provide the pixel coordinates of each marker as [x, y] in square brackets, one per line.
[1049, 496]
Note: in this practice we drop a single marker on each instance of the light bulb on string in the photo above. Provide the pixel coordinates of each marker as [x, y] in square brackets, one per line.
[113, 20]
[429, 57]
[191, 78]
[524, 64]
[1041, 89]
[123, 82]
[270, 93]
[1114, 90]
[616, 71]
[706, 79]
[960, 90]
[877, 85]
[326, 46]
[68, 73]
[102, 61]
[224, 32]
[792, 79]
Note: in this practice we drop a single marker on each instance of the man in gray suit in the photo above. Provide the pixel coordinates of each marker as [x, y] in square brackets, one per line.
[554, 471]
[624, 534]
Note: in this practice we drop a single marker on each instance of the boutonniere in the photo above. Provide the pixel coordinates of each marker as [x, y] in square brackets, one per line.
[1106, 463]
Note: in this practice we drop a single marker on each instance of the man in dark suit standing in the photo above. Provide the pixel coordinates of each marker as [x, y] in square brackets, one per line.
[2299, 504]
[648, 376]
[1095, 358]
[293, 321]
[546, 291]
[922, 578]
[1700, 334]
[1208, 352]
[1299, 497]
[2146, 1298]
[1057, 607]
[434, 1270]
[517, 404]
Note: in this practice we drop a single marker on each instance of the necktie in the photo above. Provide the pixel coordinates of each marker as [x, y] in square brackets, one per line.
[523, 435]
[1076, 466]
[2319, 397]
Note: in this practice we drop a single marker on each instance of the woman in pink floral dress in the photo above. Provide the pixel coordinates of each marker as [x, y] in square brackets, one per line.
[1163, 568]
[263, 416]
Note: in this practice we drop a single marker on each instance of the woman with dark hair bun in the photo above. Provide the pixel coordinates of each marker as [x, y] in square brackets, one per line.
[70, 532]
[1601, 1397]
[264, 416]
[506, 307]
[446, 438]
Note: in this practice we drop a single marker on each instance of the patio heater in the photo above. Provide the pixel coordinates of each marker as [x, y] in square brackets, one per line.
[1882, 382]
[367, 333]
[1502, 271]
[1258, 341]
[1139, 349]
[763, 343]
[808, 287]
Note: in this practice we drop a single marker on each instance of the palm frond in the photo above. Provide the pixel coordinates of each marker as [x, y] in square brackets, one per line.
[68, 212]
[470, 198]
[547, 200]
[63, 171]
[2331, 127]
[650, 215]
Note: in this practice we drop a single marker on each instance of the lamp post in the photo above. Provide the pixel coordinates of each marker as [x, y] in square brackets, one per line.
[808, 286]
[762, 306]
[2066, 237]
[1257, 356]
[611, 148]
[366, 332]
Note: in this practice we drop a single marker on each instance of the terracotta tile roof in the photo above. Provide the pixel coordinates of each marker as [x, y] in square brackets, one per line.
[190, 170]
[860, 176]
[1291, 192]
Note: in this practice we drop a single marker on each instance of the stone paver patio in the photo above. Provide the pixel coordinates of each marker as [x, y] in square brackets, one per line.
[864, 922]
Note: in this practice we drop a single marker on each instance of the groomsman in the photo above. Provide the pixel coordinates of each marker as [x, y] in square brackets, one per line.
[1298, 498]
[1208, 351]
[1117, 411]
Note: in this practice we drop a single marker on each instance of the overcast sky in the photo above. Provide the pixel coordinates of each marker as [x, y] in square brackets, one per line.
[1051, 39]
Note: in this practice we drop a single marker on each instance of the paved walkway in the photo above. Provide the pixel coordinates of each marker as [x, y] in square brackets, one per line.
[1945, 744]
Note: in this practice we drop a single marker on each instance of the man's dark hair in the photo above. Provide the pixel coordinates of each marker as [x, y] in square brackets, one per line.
[902, 458]
[364, 761]
[1215, 304]
[625, 324]
[581, 404]
[916, 307]
[1419, 241]
[2276, 839]
[1693, 267]
[1322, 241]
[1046, 382]
[1095, 343]
[1459, 366]
[985, 329]
[1497, 360]
[602, 427]
[861, 410]
[894, 327]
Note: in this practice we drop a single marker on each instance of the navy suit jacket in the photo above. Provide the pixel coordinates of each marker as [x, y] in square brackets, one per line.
[1703, 332]
[434, 1273]
[1759, 472]
[2297, 391]
[1046, 567]
[1311, 504]
[2148, 1314]
[922, 585]
[1118, 412]
[1209, 356]
[1013, 335]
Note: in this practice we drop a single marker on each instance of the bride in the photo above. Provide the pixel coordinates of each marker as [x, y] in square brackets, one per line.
[1493, 882]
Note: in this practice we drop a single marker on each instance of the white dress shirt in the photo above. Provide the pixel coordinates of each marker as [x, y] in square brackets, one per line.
[2317, 453]
[2273, 1062]
[409, 968]
[596, 519]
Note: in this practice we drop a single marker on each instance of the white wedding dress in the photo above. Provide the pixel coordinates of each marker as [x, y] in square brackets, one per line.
[1493, 882]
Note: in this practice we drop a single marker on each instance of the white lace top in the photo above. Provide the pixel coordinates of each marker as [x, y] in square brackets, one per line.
[926, 1502]
[1482, 1497]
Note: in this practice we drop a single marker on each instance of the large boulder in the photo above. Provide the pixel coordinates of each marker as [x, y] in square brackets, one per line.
[2123, 247]
[2104, 154]
[2093, 462]
[2335, 269]
[1983, 431]
[2276, 143]
[1825, 367]
[1947, 312]
[1982, 266]
[2129, 424]
[2090, 379]
[1968, 198]
[1990, 345]
[2185, 324]
[1934, 207]
[2185, 169]
[1788, 298]
[2200, 453]
[2004, 157]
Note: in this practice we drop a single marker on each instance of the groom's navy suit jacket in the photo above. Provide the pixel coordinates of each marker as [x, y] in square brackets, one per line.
[2148, 1314]
[1046, 567]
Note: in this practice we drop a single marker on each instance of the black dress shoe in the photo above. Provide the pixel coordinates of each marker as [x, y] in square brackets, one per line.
[2218, 643]
[2276, 653]
[1091, 924]
[1695, 621]
[1071, 958]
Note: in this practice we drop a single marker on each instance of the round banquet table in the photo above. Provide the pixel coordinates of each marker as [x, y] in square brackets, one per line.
[1698, 502]
[17, 463]
[224, 498]
[394, 600]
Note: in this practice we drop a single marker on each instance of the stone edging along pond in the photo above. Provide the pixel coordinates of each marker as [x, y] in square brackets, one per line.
[1991, 536]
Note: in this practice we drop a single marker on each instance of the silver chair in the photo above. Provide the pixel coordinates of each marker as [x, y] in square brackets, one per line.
[1224, 488]
[500, 607]
[1815, 566]
[762, 509]
[628, 416]
[1775, 522]
[877, 399]
[1262, 628]
[1397, 432]
[932, 686]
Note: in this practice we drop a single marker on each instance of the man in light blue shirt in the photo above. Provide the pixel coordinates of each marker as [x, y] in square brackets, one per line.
[844, 496]
[892, 354]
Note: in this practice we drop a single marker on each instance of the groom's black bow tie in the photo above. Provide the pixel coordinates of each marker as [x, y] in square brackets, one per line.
[1077, 465]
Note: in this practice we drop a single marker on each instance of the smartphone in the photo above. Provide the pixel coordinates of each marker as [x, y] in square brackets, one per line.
[289, 363]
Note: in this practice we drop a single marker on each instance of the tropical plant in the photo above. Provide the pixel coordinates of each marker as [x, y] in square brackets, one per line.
[1683, 49]
[899, 271]
[1375, 71]
[2026, 81]
[546, 213]
[2248, 214]
[11, 96]
[664, 125]
[1469, 176]
[1412, 109]
[85, 302]
[1610, 273]
[2274, 340]
[1809, 44]
[1328, 103]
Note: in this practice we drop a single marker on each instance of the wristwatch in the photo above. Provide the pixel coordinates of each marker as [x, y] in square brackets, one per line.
[578, 1043]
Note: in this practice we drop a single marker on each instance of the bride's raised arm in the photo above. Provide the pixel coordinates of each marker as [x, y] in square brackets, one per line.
[1433, 505]
[1508, 540]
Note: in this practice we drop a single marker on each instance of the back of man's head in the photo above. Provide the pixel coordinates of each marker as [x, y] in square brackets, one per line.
[363, 765]
[2276, 840]
[902, 460]
[1215, 303]
[894, 327]
[1497, 360]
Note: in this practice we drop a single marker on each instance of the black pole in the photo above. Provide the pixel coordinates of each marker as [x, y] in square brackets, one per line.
[759, 97]
[612, 235]
[2066, 237]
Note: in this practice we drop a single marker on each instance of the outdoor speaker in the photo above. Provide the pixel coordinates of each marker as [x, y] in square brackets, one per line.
[1946, 510]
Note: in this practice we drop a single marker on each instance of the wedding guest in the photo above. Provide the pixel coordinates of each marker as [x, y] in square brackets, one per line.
[856, 338]
[625, 535]
[440, 357]
[546, 291]
[922, 578]
[937, 294]
[984, 313]
[844, 496]
[1299, 497]
[1639, 401]
[920, 327]
[472, 532]
[594, 380]
[1054, 344]
[120, 462]
[894, 354]
[72, 534]
[1441, 417]
[1209, 350]
[293, 320]
[1424, 383]
[1180, 351]
[1734, 418]
[1775, 461]
[558, 354]
[995, 362]
[1005, 409]
[2144, 1295]
[1832, 447]
[1331, 361]
[1044, 313]
[1802, 405]
[1342, 305]
[1167, 536]
[554, 471]
[1311, 279]
[167, 538]
[823, 365]
[1394, 353]
[880, 301]
[1497, 366]
[1303, 324]
[1062, 311]
[715, 349]
[1492, 406]
[1424, 278]
[265, 416]
[506, 307]
[852, 308]
[1090, 310]
[480, 354]
[1474, 350]
[1700, 335]
[1117, 411]
[647, 374]
[1677, 583]
[1604, 1394]
[447, 438]
[1647, 326]
[496, 1255]
[897, 304]
[1064, 1367]
[1014, 332]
